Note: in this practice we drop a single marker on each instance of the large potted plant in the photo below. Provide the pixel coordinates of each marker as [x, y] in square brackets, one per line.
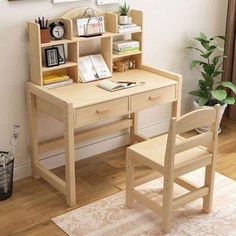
[124, 11]
[211, 89]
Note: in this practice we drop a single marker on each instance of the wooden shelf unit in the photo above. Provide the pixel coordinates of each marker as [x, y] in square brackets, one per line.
[72, 42]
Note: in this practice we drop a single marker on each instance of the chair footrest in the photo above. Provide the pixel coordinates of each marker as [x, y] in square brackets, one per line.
[191, 196]
[147, 202]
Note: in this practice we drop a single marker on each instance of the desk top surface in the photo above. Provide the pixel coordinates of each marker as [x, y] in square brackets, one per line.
[82, 95]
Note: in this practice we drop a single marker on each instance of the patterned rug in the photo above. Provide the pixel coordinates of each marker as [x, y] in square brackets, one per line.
[110, 217]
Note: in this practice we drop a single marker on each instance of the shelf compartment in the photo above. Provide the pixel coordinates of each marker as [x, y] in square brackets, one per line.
[56, 42]
[126, 55]
[104, 35]
[68, 64]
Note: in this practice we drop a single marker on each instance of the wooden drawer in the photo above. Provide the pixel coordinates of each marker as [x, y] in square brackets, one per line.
[154, 97]
[92, 114]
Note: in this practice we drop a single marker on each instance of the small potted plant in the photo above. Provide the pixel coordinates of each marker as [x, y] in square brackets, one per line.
[211, 89]
[124, 11]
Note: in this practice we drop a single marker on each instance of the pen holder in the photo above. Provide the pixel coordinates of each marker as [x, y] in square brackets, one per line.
[45, 35]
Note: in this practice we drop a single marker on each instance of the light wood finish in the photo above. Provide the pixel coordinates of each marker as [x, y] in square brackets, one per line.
[148, 99]
[173, 156]
[95, 113]
[83, 95]
[81, 105]
[97, 177]
[57, 143]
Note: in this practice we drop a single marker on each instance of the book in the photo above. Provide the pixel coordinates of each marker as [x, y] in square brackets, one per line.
[129, 29]
[93, 68]
[126, 51]
[124, 45]
[58, 84]
[49, 79]
[112, 86]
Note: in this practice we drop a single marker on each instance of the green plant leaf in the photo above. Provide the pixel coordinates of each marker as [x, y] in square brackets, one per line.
[202, 101]
[216, 73]
[207, 54]
[203, 36]
[209, 69]
[195, 93]
[230, 100]
[198, 49]
[216, 60]
[205, 76]
[219, 94]
[219, 37]
[229, 85]
[195, 63]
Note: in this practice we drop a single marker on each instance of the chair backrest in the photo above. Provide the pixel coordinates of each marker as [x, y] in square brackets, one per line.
[205, 116]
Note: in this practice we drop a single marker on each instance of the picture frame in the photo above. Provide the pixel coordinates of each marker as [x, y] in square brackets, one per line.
[61, 53]
[51, 56]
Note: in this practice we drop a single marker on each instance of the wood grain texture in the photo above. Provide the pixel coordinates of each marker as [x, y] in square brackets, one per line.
[34, 202]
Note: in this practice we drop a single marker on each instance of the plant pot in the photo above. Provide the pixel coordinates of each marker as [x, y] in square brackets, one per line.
[206, 128]
[124, 20]
[45, 35]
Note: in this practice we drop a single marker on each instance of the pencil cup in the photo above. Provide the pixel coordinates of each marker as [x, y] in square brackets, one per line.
[45, 35]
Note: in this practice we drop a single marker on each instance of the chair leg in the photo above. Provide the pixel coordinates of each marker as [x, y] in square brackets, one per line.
[167, 203]
[129, 181]
[209, 181]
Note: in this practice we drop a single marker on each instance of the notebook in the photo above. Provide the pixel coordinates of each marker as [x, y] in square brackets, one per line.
[112, 86]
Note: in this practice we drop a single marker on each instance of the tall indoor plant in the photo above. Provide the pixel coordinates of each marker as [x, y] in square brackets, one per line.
[211, 89]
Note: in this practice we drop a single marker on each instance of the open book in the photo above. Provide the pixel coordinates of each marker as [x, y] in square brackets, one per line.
[114, 86]
[92, 68]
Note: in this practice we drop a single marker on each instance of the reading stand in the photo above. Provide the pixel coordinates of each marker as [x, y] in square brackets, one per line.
[82, 105]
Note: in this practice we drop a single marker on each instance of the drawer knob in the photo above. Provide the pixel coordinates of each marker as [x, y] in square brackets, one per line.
[154, 98]
[102, 111]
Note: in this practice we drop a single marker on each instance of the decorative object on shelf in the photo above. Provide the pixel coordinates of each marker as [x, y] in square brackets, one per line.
[90, 24]
[61, 53]
[124, 11]
[51, 56]
[104, 2]
[57, 30]
[124, 65]
[44, 30]
[212, 90]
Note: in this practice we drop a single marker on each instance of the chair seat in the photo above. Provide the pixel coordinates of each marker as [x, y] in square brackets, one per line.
[153, 151]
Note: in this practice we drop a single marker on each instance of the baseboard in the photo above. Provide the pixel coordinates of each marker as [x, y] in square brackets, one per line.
[83, 152]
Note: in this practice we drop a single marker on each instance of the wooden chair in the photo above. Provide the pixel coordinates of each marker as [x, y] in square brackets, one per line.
[174, 156]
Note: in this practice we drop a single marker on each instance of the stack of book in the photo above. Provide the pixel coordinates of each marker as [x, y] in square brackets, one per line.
[125, 47]
[56, 80]
[128, 28]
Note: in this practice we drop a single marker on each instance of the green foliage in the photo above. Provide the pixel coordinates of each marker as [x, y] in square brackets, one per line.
[211, 88]
[124, 9]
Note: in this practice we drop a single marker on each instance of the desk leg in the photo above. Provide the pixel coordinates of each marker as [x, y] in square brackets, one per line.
[32, 114]
[70, 156]
[134, 128]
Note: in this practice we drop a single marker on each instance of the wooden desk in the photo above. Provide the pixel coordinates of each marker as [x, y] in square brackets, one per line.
[81, 105]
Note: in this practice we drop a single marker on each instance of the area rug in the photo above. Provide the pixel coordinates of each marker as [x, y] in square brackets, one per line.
[110, 216]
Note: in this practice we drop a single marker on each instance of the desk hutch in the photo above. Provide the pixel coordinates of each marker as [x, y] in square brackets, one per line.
[82, 105]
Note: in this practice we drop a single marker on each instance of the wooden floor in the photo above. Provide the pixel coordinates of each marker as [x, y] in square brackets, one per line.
[34, 202]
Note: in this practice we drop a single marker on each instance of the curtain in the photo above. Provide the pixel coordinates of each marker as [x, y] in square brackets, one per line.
[229, 65]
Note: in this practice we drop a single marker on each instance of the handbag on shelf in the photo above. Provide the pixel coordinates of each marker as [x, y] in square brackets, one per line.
[90, 24]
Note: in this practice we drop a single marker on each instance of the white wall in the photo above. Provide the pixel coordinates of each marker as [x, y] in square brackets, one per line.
[168, 27]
